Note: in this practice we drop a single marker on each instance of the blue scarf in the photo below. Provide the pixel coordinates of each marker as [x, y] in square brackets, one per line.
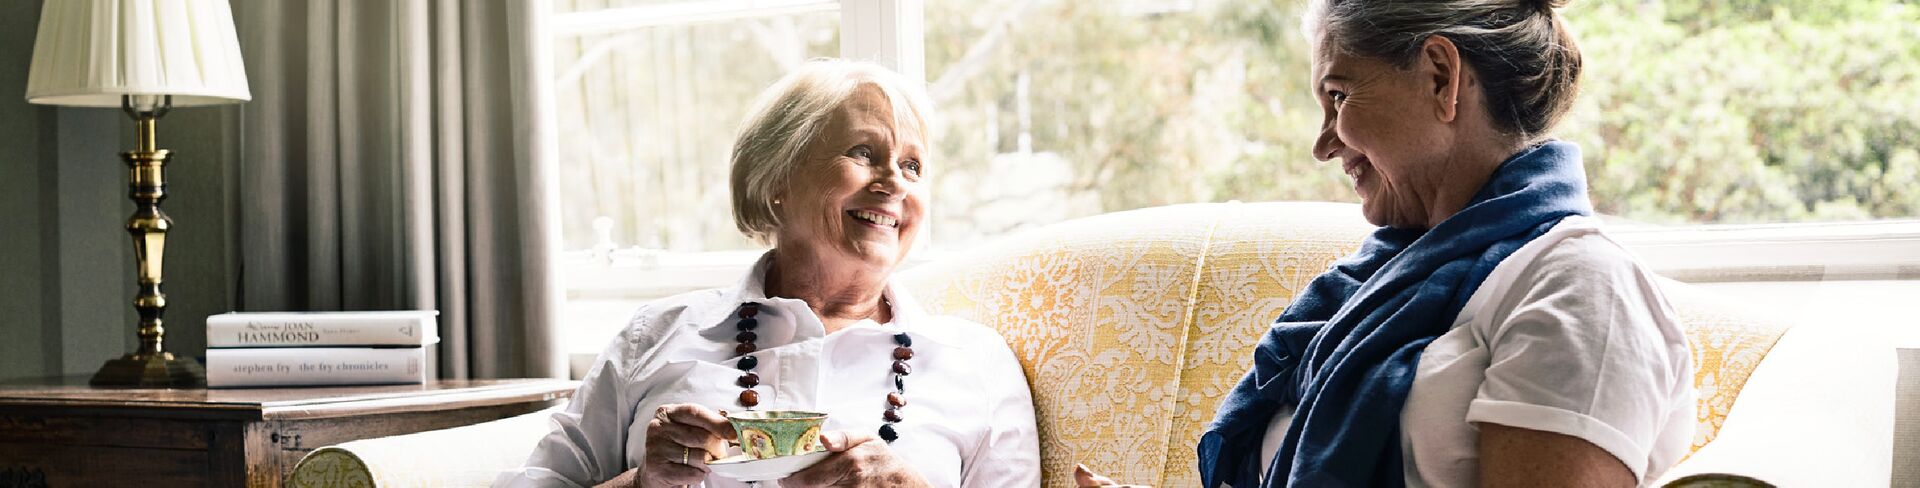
[1344, 353]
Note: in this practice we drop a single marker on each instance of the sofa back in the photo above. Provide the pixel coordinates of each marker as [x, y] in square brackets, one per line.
[1132, 326]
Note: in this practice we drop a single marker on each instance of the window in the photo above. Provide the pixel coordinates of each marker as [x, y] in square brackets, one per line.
[1691, 113]
[648, 97]
[1693, 116]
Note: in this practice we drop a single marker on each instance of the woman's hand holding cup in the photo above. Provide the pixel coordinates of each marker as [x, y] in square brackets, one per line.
[681, 438]
[857, 459]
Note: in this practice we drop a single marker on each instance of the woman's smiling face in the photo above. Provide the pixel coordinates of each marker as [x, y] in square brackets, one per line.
[1379, 121]
[859, 194]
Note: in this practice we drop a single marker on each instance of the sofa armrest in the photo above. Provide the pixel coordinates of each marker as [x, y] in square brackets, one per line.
[461, 456]
[1819, 411]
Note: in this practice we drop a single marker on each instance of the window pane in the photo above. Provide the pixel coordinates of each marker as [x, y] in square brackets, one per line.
[1743, 111]
[1079, 108]
[646, 121]
[1751, 111]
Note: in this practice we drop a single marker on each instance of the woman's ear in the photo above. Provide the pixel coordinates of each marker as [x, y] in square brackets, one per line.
[1439, 63]
[774, 206]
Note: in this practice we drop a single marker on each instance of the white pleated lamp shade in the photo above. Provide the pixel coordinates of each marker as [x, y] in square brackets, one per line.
[89, 53]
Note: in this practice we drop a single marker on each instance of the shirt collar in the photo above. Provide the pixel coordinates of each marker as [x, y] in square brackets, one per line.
[907, 313]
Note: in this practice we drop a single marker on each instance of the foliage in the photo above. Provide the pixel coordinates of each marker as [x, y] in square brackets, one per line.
[1776, 119]
[1739, 111]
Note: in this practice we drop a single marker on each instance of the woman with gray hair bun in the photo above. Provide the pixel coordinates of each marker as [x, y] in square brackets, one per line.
[831, 167]
[1489, 333]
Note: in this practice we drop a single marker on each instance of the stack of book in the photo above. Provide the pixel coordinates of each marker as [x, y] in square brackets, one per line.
[319, 348]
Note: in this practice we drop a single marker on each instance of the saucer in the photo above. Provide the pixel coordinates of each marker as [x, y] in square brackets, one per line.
[744, 468]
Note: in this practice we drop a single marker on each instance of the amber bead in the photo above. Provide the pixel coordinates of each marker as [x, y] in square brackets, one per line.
[894, 398]
[746, 336]
[745, 348]
[901, 367]
[891, 415]
[747, 324]
[903, 353]
[749, 398]
[748, 362]
[749, 309]
[748, 380]
[887, 433]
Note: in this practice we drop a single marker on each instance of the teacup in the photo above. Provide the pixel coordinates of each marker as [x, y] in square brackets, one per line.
[768, 434]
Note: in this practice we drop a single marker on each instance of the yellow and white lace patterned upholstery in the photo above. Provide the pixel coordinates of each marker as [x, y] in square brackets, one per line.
[1097, 311]
[1728, 343]
[1261, 255]
[1132, 326]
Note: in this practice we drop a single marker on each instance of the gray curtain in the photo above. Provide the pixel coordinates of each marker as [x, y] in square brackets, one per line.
[397, 155]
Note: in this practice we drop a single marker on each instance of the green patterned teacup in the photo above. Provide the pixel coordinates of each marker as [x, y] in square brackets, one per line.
[774, 433]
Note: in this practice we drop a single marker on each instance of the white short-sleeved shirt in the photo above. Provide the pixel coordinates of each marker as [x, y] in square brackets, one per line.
[968, 421]
[1569, 335]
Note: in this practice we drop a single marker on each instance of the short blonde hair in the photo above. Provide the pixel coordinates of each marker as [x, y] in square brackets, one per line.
[786, 119]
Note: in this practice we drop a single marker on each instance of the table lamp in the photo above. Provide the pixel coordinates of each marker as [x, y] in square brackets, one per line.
[145, 57]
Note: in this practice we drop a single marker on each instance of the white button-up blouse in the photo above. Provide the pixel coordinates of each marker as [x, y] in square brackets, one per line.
[968, 420]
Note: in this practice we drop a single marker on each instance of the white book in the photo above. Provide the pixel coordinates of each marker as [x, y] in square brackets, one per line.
[312, 366]
[277, 329]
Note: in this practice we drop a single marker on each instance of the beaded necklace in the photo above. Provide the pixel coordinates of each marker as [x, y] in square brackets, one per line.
[896, 399]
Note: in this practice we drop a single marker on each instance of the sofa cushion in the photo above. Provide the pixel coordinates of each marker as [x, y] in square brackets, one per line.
[1097, 310]
[1259, 256]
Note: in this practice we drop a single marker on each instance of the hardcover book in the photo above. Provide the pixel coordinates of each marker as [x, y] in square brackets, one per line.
[311, 366]
[292, 329]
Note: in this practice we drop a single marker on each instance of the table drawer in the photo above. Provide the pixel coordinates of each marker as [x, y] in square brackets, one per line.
[64, 465]
[105, 431]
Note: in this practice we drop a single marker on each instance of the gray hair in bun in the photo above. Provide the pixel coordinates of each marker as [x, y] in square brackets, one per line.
[1526, 59]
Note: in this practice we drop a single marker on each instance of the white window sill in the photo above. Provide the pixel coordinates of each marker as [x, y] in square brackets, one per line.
[1839, 251]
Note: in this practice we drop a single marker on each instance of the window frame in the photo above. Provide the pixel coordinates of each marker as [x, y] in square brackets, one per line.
[688, 12]
[892, 34]
[1805, 251]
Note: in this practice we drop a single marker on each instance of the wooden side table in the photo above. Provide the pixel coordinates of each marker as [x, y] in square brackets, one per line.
[73, 435]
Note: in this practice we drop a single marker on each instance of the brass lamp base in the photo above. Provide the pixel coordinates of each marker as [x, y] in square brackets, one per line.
[154, 371]
[150, 365]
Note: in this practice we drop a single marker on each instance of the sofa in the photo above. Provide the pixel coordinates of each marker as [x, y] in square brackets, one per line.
[1131, 326]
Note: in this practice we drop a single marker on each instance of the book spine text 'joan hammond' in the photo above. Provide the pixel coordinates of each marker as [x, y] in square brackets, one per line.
[352, 329]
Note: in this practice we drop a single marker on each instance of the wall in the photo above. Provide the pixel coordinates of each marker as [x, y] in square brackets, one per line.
[21, 237]
[66, 262]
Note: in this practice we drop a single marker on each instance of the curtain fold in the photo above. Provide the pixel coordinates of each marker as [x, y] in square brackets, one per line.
[399, 155]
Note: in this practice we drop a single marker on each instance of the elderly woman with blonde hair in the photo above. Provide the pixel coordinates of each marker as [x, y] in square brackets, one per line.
[831, 167]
